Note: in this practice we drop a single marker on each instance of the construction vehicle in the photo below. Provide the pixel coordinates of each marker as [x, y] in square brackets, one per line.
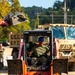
[21, 65]
[64, 40]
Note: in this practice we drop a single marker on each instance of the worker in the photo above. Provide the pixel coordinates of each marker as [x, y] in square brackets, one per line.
[40, 48]
[40, 52]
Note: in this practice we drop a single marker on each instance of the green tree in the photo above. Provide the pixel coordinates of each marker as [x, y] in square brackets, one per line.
[71, 4]
[49, 11]
[32, 11]
[4, 8]
[15, 5]
[57, 5]
[33, 23]
[20, 28]
[32, 14]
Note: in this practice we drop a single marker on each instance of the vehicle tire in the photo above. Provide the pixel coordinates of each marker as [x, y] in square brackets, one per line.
[1, 65]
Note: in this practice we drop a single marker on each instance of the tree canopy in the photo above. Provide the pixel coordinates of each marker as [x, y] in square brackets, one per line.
[7, 7]
[15, 6]
[53, 14]
[4, 8]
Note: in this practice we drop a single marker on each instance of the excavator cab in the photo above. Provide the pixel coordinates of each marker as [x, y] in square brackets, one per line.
[37, 65]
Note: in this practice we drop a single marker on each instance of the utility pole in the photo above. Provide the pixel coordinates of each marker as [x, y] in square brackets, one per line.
[52, 18]
[37, 18]
[65, 17]
[65, 13]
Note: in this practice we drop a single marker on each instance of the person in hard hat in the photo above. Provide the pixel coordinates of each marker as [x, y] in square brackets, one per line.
[40, 48]
[40, 52]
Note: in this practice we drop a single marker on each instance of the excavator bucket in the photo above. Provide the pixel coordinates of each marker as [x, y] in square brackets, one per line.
[15, 18]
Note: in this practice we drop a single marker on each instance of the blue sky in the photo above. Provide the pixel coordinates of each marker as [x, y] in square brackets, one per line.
[43, 3]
